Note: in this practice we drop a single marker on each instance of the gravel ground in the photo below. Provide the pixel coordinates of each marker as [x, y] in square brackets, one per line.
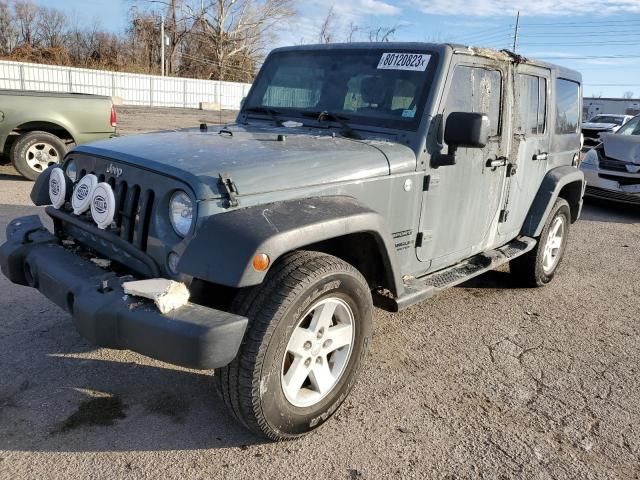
[483, 381]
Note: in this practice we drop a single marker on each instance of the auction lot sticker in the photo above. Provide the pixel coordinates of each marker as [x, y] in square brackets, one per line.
[404, 61]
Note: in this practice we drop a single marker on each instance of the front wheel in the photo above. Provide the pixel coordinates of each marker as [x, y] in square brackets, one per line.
[538, 267]
[309, 329]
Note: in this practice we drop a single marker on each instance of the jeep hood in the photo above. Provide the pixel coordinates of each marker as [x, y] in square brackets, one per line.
[254, 158]
[622, 147]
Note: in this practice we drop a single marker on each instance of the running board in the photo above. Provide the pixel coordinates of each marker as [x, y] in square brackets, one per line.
[419, 289]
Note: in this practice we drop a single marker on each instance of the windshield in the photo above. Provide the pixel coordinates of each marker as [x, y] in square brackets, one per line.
[607, 119]
[378, 87]
[632, 127]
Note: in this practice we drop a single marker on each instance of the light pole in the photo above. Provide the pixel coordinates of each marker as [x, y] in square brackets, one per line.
[162, 45]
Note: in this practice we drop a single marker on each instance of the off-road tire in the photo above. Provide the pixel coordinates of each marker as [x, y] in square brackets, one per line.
[528, 269]
[251, 385]
[21, 146]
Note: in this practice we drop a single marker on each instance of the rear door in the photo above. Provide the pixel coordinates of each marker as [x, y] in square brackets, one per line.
[529, 155]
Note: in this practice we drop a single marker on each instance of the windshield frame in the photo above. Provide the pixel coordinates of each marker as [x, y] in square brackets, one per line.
[355, 120]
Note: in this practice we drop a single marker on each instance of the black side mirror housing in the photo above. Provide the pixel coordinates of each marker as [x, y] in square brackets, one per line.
[466, 130]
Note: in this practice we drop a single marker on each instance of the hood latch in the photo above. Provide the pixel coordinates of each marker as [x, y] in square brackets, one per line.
[230, 189]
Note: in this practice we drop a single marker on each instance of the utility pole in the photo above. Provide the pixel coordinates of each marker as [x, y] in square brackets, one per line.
[515, 33]
[162, 44]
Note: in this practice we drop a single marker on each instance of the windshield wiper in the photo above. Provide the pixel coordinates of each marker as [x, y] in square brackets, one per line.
[324, 115]
[269, 111]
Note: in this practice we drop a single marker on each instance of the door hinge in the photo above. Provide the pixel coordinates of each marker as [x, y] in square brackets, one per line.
[504, 214]
[419, 240]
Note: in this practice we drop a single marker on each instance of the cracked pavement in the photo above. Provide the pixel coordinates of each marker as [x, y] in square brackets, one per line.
[484, 381]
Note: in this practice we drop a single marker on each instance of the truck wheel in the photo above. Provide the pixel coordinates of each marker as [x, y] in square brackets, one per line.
[33, 152]
[309, 329]
[537, 267]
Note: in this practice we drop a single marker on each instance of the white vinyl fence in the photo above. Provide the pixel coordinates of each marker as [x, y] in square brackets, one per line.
[132, 88]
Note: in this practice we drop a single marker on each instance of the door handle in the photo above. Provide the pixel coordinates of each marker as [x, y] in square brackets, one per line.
[497, 162]
[542, 156]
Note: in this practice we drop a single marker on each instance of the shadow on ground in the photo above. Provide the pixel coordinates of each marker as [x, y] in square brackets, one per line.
[106, 406]
[602, 211]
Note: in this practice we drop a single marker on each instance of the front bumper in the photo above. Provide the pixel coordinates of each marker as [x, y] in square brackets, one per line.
[192, 336]
[606, 189]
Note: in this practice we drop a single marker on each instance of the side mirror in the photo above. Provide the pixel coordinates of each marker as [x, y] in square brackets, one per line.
[466, 130]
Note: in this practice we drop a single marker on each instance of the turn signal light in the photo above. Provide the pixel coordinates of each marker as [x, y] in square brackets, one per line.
[261, 262]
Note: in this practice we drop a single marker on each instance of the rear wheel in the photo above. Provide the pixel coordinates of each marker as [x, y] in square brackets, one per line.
[309, 328]
[33, 152]
[538, 267]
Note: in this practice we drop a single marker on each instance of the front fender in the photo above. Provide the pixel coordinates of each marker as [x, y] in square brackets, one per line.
[224, 246]
[552, 184]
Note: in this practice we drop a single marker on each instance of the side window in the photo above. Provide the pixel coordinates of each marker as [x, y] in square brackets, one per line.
[567, 106]
[476, 90]
[532, 104]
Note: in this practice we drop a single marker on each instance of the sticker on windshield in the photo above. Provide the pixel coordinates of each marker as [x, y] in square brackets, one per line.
[404, 61]
[409, 113]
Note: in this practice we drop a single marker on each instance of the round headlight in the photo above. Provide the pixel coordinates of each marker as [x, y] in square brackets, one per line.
[72, 170]
[181, 213]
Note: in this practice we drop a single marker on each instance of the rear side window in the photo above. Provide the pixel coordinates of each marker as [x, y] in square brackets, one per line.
[532, 106]
[476, 90]
[567, 106]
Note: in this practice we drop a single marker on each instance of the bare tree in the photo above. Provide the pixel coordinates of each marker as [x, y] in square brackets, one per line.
[352, 31]
[239, 31]
[628, 94]
[326, 34]
[8, 34]
[382, 34]
[26, 18]
[51, 25]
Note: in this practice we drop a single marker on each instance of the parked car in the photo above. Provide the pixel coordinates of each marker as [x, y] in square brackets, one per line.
[36, 128]
[356, 175]
[612, 168]
[599, 124]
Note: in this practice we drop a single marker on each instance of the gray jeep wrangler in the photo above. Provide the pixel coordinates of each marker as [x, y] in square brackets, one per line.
[356, 175]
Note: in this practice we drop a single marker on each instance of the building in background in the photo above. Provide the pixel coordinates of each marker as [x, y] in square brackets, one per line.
[621, 106]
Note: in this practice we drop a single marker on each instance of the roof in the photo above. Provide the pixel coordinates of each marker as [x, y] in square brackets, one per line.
[501, 55]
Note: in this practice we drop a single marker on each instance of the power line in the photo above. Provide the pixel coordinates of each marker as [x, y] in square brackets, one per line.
[585, 24]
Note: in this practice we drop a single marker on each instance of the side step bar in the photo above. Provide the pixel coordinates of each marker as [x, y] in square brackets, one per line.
[419, 289]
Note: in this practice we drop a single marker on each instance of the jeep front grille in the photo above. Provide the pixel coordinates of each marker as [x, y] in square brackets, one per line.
[134, 206]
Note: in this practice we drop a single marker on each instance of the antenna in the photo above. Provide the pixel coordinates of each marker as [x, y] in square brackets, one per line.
[515, 33]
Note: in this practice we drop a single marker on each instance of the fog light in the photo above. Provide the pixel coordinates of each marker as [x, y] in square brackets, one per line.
[261, 262]
[172, 262]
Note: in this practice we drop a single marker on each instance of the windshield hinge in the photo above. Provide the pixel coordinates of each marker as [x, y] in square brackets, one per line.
[230, 189]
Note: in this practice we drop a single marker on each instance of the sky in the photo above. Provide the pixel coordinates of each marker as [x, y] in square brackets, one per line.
[600, 38]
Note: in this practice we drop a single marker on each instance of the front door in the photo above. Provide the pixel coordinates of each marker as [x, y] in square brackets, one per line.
[461, 202]
[529, 148]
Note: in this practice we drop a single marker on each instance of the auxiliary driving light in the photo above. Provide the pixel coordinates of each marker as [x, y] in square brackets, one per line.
[82, 194]
[103, 205]
[57, 188]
